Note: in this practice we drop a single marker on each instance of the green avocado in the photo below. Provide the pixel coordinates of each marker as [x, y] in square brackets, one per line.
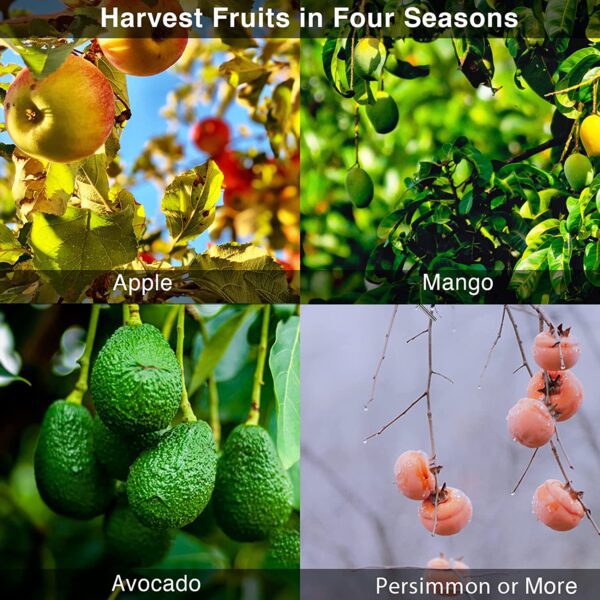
[359, 186]
[69, 477]
[170, 485]
[136, 381]
[284, 550]
[129, 542]
[117, 452]
[253, 492]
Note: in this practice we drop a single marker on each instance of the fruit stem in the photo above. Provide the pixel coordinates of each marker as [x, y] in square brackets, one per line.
[131, 315]
[213, 392]
[169, 323]
[186, 407]
[81, 387]
[261, 359]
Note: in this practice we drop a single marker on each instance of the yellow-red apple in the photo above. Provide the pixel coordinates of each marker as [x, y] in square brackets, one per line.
[148, 51]
[64, 117]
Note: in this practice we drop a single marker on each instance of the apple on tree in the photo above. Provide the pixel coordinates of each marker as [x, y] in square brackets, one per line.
[63, 118]
[147, 51]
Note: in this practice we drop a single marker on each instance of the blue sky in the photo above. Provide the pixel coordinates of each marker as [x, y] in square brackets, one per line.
[147, 96]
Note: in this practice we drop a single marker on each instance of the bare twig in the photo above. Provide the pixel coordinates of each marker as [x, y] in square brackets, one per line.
[525, 472]
[382, 358]
[498, 337]
[390, 423]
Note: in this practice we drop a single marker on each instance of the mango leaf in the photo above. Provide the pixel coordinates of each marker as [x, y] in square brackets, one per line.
[284, 362]
[559, 256]
[189, 202]
[559, 18]
[238, 274]
[216, 347]
[10, 248]
[591, 263]
[72, 250]
[528, 273]
[331, 65]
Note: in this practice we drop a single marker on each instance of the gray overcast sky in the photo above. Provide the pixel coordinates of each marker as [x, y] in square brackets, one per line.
[353, 515]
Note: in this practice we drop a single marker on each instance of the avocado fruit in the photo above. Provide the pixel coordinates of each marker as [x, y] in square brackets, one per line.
[69, 477]
[170, 485]
[117, 452]
[136, 381]
[131, 543]
[253, 492]
[284, 550]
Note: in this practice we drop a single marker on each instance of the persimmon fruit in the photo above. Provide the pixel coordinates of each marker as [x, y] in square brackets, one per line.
[413, 475]
[530, 423]
[556, 506]
[556, 351]
[564, 389]
[454, 512]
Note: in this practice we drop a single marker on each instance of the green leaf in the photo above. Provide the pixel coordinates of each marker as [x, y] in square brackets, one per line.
[189, 202]
[559, 18]
[528, 273]
[238, 274]
[8, 377]
[10, 248]
[284, 361]
[591, 263]
[72, 250]
[558, 265]
[41, 61]
[216, 347]
[92, 181]
[539, 230]
[189, 553]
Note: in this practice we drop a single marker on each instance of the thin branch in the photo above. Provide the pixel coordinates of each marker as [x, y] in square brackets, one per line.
[525, 472]
[498, 337]
[390, 423]
[519, 340]
[533, 151]
[443, 377]
[414, 337]
[542, 315]
[382, 358]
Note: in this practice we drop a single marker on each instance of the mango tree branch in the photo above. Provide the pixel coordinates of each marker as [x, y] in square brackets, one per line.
[186, 407]
[81, 387]
[261, 359]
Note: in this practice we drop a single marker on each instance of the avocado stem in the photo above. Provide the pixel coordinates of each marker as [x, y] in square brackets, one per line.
[81, 387]
[170, 322]
[213, 392]
[186, 407]
[131, 315]
[254, 415]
